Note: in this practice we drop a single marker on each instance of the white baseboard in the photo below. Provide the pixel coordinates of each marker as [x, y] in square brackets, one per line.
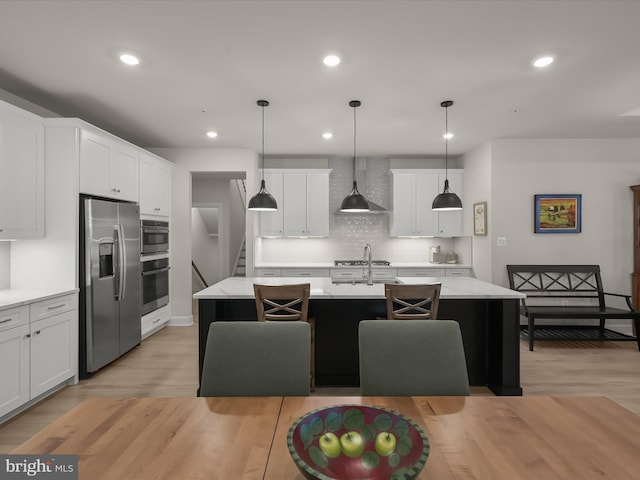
[184, 321]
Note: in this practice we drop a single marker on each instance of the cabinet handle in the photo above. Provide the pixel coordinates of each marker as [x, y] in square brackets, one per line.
[156, 320]
[56, 306]
[116, 190]
[7, 320]
[37, 332]
[28, 335]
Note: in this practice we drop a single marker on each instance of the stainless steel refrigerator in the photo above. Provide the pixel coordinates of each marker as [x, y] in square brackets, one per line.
[110, 298]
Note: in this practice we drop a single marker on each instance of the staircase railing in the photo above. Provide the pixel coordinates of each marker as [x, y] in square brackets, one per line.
[235, 265]
[242, 191]
[199, 275]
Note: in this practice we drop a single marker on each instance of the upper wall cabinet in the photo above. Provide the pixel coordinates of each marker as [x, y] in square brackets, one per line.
[108, 167]
[155, 185]
[272, 223]
[413, 192]
[22, 171]
[303, 203]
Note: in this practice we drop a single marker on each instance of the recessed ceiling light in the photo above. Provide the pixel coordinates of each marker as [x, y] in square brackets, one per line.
[212, 134]
[327, 135]
[331, 60]
[448, 135]
[542, 62]
[129, 59]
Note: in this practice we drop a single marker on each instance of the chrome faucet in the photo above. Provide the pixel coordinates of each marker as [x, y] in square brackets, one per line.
[367, 257]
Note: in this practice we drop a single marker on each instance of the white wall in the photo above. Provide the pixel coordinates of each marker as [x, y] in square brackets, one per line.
[189, 160]
[5, 265]
[477, 188]
[600, 170]
[204, 251]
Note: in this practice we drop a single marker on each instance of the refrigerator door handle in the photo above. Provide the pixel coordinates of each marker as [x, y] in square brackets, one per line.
[122, 271]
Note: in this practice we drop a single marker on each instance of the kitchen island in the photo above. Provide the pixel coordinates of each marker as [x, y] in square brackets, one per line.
[488, 316]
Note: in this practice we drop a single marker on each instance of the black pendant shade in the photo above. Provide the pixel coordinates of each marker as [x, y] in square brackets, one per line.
[263, 201]
[355, 201]
[447, 200]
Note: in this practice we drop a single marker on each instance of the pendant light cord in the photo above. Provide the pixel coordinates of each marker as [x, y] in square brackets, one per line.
[263, 141]
[354, 143]
[446, 143]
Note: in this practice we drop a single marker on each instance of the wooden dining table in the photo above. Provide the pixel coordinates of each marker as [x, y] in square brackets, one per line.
[475, 437]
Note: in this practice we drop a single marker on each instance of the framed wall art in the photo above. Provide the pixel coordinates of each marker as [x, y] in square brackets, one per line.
[560, 213]
[480, 218]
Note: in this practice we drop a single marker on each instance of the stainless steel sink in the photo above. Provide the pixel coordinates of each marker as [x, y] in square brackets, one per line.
[361, 263]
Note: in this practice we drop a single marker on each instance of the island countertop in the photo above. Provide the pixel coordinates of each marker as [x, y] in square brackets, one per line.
[323, 288]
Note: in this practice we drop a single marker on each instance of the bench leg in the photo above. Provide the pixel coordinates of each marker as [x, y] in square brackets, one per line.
[531, 330]
[636, 327]
[602, 319]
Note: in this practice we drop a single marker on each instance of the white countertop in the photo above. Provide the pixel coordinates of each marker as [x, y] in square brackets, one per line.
[12, 298]
[322, 288]
[332, 265]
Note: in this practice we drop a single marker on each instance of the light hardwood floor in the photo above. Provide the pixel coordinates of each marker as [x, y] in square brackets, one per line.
[166, 364]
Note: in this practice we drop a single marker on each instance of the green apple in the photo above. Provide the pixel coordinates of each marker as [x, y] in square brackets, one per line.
[385, 444]
[330, 445]
[352, 444]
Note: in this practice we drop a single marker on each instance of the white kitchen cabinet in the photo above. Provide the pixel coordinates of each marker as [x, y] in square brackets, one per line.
[305, 272]
[382, 273]
[303, 203]
[450, 224]
[38, 350]
[52, 352]
[459, 272]
[108, 167]
[271, 223]
[154, 321]
[421, 272]
[413, 192]
[22, 172]
[14, 359]
[155, 186]
[267, 272]
[53, 349]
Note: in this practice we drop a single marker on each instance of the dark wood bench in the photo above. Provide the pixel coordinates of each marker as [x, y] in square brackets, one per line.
[568, 292]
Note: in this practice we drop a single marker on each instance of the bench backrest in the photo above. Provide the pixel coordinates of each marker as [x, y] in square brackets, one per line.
[577, 282]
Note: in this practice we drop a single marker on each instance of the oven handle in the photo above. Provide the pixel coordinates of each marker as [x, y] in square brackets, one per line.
[155, 230]
[153, 272]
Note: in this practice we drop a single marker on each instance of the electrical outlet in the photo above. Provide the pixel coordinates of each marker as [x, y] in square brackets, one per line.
[502, 241]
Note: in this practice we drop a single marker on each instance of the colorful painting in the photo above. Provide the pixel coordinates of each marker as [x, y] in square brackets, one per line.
[558, 213]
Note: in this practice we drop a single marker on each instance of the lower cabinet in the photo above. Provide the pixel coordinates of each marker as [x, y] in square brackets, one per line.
[154, 321]
[51, 352]
[14, 359]
[38, 350]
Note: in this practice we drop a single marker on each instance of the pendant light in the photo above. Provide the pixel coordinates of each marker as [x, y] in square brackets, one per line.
[447, 200]
[354, 202]
[263, 201]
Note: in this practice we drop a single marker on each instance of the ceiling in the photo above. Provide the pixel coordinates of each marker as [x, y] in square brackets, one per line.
[204, 64]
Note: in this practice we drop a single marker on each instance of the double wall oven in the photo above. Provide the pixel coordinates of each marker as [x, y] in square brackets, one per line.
[154, 237]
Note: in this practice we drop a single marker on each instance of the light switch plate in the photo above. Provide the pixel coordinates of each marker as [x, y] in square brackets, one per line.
[502, 241]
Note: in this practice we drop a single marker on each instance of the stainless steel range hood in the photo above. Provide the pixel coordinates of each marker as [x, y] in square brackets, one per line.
[361, 178]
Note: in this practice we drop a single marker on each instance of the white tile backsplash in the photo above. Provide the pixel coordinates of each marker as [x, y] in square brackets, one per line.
[349, 232]
[5, 265]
